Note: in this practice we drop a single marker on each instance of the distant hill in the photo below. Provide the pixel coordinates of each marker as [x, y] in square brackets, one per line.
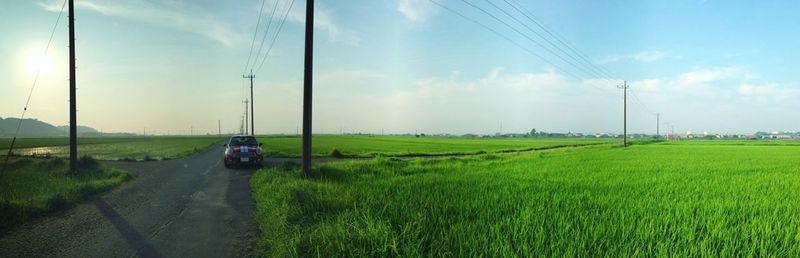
[35, 128]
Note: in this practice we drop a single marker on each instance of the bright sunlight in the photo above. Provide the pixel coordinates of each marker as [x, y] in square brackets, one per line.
[39, 62]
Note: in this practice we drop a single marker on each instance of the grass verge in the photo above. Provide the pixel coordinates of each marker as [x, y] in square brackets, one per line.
[32, 188]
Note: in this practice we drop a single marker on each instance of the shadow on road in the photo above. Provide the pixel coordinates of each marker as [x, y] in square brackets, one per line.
[143, 249]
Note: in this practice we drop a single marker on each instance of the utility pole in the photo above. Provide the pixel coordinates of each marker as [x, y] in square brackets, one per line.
[191, 130]
[624, 88]
[73, 117]
[658, 125]
[308, 75]
[245, 115]
[252, 110]
[673, 131]
[219, 128]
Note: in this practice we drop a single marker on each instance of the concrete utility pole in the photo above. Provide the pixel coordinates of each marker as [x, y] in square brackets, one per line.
[245, 115]
[308, 75]
[624, 88]
[673, 131]
[501, 128]
[73, 118]
[658, 125]
[252, 110]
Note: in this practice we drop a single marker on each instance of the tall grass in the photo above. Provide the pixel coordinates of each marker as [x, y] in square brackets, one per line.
[31, 188]
[645, 200]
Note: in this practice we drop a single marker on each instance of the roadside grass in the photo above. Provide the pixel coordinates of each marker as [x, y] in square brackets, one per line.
[409, 146]
[644, 200]
[32, 188]
[113, 148]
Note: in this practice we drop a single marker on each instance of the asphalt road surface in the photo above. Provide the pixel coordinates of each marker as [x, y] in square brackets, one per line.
[192, 207]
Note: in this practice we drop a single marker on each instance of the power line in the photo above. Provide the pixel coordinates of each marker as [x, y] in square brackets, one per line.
[532, 17]
[579, 65]
[33, 86]
[516, 30]
[275, 37]
[255, 35]
[506, 38]
[533, 40]
[266, 32]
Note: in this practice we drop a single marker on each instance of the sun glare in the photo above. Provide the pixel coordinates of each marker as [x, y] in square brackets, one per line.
[39, 62]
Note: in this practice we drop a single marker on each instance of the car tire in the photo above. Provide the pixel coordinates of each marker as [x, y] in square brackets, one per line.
[226, 164]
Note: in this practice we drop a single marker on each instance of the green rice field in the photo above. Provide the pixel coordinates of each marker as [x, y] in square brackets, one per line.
[113, 148]
[370, 146]
[685, 198]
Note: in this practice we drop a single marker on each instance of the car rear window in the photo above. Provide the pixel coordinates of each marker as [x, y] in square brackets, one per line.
[236, 141]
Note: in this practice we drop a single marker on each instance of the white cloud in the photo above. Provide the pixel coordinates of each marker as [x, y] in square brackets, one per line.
[171, 14]
[457, 104]
[708, 75]
[417, 10]
[650, 56]
[641, 57]
[699, 82]
[767, 92]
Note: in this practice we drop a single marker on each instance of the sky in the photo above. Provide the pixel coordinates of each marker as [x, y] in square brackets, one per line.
[405, 66]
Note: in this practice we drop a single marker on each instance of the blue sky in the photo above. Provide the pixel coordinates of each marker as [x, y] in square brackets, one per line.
[409, 65]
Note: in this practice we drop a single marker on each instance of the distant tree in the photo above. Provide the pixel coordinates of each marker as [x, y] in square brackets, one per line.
[533, 131]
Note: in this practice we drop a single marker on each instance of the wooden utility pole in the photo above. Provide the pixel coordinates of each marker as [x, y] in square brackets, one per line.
[73, 128]
[252, 110]
[308, 86]
[624, 88]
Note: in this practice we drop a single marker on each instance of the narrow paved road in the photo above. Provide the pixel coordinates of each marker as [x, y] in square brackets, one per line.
[192, 207]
